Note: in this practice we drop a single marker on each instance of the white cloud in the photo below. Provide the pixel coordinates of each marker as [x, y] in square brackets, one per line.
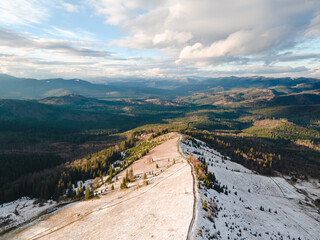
[23, 12]
[70, 7]
[207, 31]
[196, 38]
[119, 11]
[314, 28]
[79, 35]
[171, 37]
[15, 41]
[241, 43]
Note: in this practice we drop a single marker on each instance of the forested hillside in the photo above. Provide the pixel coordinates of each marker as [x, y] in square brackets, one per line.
[47, 144]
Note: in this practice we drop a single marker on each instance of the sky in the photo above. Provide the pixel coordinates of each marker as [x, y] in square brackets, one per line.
[159, 39]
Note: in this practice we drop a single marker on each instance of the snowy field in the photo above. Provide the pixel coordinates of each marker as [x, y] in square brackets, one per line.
[21, 210]
[255, 206]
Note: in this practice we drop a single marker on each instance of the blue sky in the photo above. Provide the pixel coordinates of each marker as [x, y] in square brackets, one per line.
[165, 39]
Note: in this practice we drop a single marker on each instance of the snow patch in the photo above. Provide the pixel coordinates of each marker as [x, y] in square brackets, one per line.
[21, 210]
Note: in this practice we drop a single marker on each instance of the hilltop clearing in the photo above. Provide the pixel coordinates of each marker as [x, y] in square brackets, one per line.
[157, 204]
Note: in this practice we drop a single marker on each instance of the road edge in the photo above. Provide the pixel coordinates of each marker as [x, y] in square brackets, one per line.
[194, 214]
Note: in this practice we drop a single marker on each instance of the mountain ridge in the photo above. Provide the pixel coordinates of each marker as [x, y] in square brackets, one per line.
[29, 88]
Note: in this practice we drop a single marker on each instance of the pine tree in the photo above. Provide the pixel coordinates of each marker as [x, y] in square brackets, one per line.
[78, 193]
[87, 195]
[123, 184]
[130, 175]
[127, 176]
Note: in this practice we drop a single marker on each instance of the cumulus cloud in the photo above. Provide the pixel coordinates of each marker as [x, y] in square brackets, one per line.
[186, 38]
[207, 31]
[119, 11]
[239, 43]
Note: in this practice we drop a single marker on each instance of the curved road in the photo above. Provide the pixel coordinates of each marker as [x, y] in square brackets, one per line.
[194, 205]
[191, 225]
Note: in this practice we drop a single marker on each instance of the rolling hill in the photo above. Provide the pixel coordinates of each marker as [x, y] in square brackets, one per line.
[26, 88]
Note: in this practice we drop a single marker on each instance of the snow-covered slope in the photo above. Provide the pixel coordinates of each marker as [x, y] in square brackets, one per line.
[255, 206]
[22, 210]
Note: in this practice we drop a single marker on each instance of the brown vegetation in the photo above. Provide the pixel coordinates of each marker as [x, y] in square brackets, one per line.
[199, 166]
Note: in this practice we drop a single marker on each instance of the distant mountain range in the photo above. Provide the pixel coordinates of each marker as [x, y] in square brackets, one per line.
[278, 85]
[27, 88]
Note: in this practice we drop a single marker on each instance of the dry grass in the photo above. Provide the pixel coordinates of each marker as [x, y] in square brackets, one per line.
[269, 123]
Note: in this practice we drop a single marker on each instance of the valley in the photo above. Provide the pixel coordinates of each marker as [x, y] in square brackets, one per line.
[109, 167]
[125, 120]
